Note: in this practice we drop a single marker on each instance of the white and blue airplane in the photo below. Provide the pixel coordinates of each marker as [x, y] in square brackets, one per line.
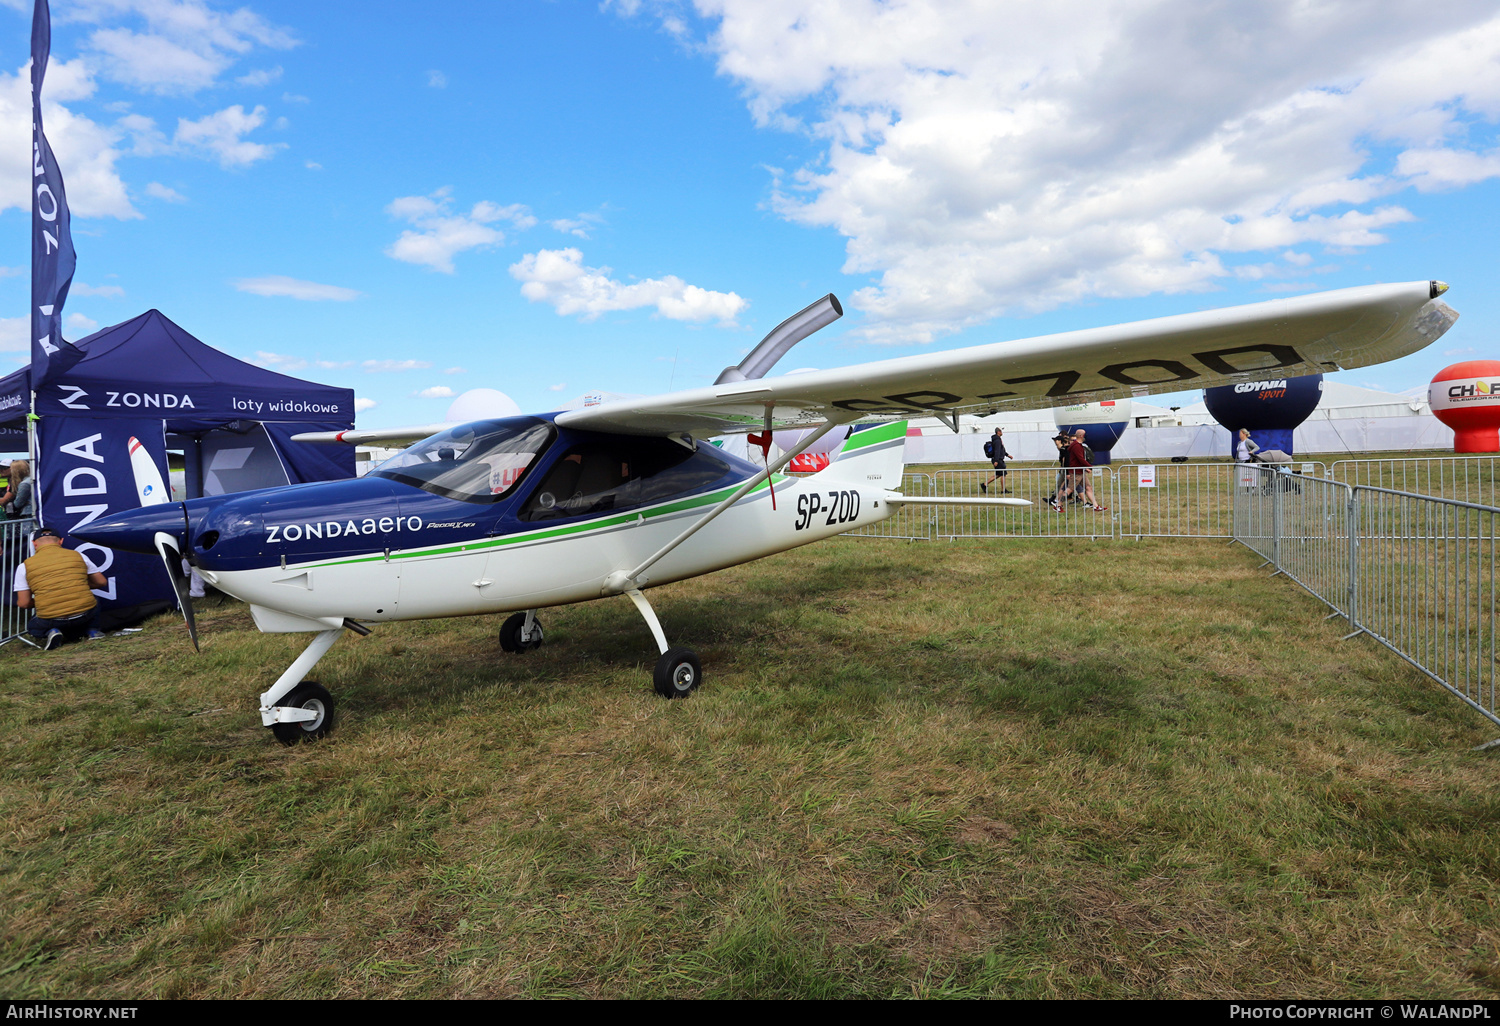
[518, 514]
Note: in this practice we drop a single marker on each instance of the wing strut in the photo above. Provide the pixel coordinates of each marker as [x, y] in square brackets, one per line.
[620, 581]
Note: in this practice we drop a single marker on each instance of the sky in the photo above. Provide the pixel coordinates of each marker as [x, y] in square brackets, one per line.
[553, 198]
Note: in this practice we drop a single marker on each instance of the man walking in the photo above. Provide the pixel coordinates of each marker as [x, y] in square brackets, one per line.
[994, 451]
[56, 582]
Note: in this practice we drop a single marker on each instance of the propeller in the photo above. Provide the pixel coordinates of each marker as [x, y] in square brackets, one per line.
[171, 557]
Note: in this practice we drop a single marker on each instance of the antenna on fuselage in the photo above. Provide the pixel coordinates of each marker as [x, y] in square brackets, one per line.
[781, 339]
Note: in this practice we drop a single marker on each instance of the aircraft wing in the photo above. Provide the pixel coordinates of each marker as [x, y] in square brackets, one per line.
[1326, 331]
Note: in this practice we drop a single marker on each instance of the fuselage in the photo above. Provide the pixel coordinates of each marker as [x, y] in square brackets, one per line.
[385, 548]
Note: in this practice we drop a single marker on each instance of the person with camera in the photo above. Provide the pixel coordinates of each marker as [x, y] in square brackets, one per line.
[1077, 458]
[1055, 500]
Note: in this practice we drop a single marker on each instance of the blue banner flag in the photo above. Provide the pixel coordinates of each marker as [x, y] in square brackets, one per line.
[91, 474]
[52, 256]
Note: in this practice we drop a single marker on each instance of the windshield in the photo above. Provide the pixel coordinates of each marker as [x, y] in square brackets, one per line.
[479, 462]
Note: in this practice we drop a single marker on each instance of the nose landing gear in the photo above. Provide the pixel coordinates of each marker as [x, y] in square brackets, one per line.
[308, 697]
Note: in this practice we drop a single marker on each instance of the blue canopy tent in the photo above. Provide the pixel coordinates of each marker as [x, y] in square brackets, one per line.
[150, 381]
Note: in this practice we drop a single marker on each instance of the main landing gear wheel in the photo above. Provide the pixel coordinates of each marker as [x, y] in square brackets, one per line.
[678, 673]
[313, 697]
[510, 634]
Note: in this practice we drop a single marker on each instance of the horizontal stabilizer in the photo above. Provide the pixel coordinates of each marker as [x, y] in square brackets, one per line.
[951, 500]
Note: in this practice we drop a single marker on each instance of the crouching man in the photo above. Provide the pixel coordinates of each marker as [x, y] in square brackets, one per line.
[55, 582]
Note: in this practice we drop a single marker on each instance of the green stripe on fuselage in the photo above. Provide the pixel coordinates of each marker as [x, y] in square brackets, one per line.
[603, 523]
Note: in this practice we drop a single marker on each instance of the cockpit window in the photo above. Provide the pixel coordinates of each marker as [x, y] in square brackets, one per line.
[479, 462]
[622, 472]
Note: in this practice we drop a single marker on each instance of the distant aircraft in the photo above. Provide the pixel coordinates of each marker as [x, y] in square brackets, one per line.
[516, 514]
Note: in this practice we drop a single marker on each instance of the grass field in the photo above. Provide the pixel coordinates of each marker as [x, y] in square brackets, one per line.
[1024, 769]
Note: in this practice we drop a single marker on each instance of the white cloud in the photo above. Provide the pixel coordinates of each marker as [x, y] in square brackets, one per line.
[437, 80]
[15, 335]
[85, 149]
[557, 387]
[173, 46]
[313, 165]
[334, 364]
[294, 98]
[77, 326]
[378, 366]
[260, 77]
[220, 135]
[456, 370]
[156, 190]
[982, 158]
[361, 404]
[559, 277]
[1441, 169]
[579, 226]
[78, 288]
[12, 272]
[440, 234]
[278, 361]
[1466, 351]
[437, 392]
[146, 140]
[295, 288]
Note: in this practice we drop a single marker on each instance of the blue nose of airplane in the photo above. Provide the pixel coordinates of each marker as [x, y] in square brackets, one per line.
[134, 530]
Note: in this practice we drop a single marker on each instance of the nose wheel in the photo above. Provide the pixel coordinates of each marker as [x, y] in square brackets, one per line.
[307, 697]
[302, 710]
[521, 633]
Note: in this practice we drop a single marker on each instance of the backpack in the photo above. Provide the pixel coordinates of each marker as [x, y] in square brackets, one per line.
[989, 449]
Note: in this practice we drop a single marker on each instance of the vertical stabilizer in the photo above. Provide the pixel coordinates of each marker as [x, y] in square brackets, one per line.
[873, 456]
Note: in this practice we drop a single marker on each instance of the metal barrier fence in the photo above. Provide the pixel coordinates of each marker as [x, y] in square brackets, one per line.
[1414, 572]
[1174, 500]
[1166, 500]
[910, 522]
[1298, 524]
[1423, 584]
[13, 550]
[1039, 520]
[1473, 479]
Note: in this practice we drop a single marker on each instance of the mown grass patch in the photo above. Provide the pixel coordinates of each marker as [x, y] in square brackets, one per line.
[1029, 768]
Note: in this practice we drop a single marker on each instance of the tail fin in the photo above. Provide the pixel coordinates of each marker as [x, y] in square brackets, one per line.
[873, 456]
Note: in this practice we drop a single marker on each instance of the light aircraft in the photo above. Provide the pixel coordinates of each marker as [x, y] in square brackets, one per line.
[522, 513]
